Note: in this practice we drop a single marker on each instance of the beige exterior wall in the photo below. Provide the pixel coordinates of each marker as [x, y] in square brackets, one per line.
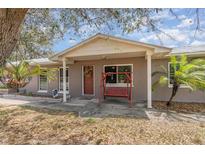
[140, 80]
[183, 95]
[33, 86]
[139, 75]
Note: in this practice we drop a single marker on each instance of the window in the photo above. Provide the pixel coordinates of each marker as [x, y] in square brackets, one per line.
[112, 78]
[61, 79]
[43, 84]
[122, 77]
[171, 71]
[117, 78]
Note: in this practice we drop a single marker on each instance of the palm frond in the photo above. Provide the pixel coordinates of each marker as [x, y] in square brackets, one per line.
[173, 60]
[198, 61]
[163, 80]
[22, 72]
[155, 85]
[158, 73]
[163, 68]
[191, 74]
[183, 60]
[162, 72]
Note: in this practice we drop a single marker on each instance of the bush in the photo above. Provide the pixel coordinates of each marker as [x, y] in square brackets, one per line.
[29, 94]
[91, 120]
[2, 86]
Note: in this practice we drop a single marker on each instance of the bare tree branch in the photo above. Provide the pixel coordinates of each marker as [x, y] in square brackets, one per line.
[197, 23]
[173, 13]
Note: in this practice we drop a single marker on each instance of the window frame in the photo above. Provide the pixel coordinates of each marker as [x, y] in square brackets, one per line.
[119, 84]
[171, 85]
[39, 85]
[59, 90]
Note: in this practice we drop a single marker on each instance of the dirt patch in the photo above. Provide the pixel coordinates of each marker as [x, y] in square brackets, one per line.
[181, 107]
[41, 126]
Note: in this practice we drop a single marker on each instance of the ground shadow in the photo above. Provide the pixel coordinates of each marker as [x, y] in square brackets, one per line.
[47, 110]
[101, 110]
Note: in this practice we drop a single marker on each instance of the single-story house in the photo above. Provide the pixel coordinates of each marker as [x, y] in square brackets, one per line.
[83, 70]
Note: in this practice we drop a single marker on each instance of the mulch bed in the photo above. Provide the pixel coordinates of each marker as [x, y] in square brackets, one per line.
[181, 107]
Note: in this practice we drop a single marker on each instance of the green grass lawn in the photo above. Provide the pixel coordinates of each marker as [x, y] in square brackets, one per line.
[27, 125]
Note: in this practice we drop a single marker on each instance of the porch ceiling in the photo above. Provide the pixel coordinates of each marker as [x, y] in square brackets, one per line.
[109, 56]
[116, 56]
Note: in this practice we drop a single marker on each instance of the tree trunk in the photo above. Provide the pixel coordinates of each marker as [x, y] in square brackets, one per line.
[174, 92]
[17, 90]
[10, 22]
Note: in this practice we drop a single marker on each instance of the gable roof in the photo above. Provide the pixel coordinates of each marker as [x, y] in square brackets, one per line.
[99, 35]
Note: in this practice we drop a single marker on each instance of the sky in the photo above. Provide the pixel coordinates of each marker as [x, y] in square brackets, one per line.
[180, 30]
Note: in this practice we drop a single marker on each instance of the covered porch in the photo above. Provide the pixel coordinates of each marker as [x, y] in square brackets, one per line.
[95, 54]
[119, 90]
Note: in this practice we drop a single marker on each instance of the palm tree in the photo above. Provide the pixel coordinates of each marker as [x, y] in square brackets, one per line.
[190, 74]
[19, 74]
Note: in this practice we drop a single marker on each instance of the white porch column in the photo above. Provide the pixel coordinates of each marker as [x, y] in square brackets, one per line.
[149, 79]
[64, 80]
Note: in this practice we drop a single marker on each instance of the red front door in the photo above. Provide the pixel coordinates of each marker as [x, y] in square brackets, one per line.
[88, 80]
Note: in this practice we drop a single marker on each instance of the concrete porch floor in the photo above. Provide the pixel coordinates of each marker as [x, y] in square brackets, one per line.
[87, 106]
[83, 106]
